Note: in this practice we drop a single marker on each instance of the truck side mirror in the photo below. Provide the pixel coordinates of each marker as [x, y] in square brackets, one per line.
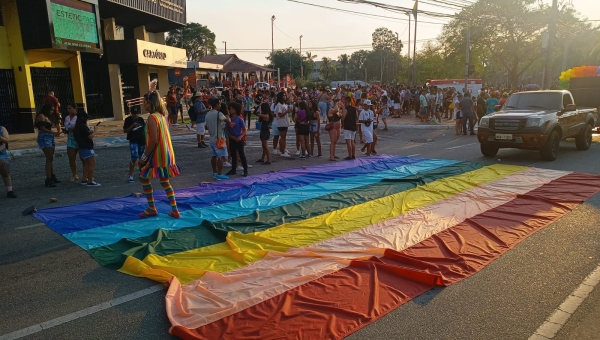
[497, 108]
[570, 107]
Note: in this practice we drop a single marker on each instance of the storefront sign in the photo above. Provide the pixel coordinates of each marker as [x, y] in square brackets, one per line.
[169, 9]
[177, 72]
[74, 25]
[154, 54]
[160, 55]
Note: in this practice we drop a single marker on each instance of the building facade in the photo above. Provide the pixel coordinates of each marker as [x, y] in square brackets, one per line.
[94, 53]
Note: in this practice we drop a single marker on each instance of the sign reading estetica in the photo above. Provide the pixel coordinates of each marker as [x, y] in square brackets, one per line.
[150, 53]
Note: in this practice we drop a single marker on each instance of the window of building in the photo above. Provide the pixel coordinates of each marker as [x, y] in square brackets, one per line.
[1, 18]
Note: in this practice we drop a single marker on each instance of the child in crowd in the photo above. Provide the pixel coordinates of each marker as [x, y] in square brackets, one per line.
[134, 128]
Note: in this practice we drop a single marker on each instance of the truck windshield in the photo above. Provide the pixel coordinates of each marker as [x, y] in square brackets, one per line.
[535, 100]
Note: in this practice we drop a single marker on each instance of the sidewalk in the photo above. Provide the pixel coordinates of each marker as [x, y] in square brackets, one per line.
[110, 133]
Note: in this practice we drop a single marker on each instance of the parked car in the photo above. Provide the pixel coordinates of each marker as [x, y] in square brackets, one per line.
[537, 121]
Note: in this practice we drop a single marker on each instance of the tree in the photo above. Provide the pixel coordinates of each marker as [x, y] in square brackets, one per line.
[288, 61]
[509, 34]
[386, 40]
[344, 61]
[356, 64]
[388, 47]
[327, 69]
[196, 39]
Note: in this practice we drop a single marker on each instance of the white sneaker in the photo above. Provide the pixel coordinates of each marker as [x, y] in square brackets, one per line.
[275, 152]
[227, 164]
[176, 124]
[286, 155]
[239, 168]
[189, 126]
[298, 153]
[249, 165]
[130, 180]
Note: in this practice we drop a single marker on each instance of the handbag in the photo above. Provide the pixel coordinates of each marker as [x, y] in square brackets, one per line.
[329, 127]
[221, 143]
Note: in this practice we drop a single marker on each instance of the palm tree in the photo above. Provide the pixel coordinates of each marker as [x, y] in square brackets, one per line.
[327, 68]
[344, 60]
[309, 56]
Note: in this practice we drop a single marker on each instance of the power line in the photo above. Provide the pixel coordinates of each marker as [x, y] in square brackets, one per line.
[362, 14]
[317, 49]
[398, 8]
[282, 32]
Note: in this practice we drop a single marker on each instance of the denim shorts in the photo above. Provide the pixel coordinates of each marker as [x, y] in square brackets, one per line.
[45, 140]
[216, 152]
[314, 126]
[136, 150]
[71, 143]
[86, 153]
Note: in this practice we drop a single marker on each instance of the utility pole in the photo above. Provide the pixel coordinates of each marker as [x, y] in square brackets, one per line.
[467, 58]
[272, 40]
[301, 63]
[408, 56]
[547, 80]
[225, 42]
[415, 45]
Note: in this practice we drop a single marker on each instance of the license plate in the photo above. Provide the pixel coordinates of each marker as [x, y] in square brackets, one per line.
[504, 136]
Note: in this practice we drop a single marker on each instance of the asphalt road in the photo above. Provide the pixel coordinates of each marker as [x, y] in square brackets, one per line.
[44, 276]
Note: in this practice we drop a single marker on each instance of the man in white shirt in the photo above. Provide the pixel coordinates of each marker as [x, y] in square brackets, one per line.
[366, 118]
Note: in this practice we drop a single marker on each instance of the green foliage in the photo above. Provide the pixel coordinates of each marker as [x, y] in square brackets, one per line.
[328, 69]
[289, 61]
[196, 39]
[344, 61]
[508, 35]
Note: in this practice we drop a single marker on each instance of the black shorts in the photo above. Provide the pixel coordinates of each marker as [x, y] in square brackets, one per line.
[265, 135]
[282, 129]
[303, 129]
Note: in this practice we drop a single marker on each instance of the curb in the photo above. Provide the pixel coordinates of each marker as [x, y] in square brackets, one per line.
[100, 144]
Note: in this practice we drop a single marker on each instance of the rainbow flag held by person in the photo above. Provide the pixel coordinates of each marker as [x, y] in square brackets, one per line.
[320, 252]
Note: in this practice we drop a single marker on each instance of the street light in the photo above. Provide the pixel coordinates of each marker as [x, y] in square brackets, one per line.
[301, 64]
[272, 41]
[225, 42]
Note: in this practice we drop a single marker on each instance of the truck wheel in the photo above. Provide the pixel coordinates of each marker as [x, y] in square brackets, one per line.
[488, 150]
[549, 152]
[584, 140]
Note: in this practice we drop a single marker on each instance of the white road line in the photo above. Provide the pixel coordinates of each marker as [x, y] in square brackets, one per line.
[562, 314]
[30, 226]
[415, 155]
[79, 314]
[460, 146]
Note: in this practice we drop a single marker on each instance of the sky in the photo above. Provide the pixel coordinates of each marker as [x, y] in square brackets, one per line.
[246, 24]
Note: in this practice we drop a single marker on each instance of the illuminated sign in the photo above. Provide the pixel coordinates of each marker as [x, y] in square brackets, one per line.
[75, 25]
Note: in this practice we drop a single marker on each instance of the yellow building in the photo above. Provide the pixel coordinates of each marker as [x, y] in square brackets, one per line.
[93, 53]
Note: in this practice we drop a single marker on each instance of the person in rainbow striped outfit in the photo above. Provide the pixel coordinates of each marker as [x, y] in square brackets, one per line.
[158, 161]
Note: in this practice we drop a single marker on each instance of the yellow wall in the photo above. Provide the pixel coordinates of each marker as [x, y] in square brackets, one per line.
[18, 56]
[5, 62]
[12, 55]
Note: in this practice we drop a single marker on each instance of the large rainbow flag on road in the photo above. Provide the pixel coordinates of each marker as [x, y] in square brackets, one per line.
[318, 253]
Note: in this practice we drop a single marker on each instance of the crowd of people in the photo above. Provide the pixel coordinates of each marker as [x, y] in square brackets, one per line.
[222, 118]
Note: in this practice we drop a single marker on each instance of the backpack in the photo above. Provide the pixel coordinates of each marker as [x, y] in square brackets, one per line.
[192, 113]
